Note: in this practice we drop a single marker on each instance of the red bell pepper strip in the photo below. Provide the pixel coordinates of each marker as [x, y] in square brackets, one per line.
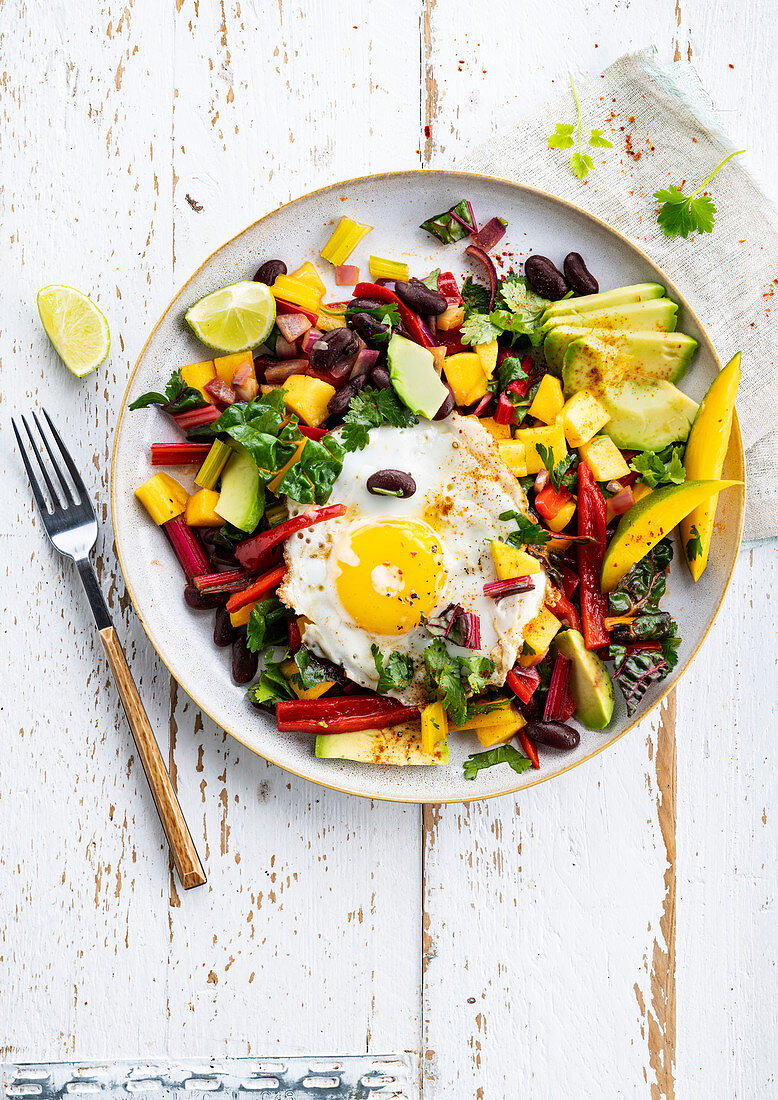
[451, 340]
[178, 454]
[557, 689]
[523, 682]
[289, 307]
[233, 580]
[255, 591]
[415, 329]
[564, 609]
[312, 433]
[550, 501]
[591, 523]
[293, 633]
[251, 551]
[569, 581]
[449, 288]
[342, 714]
[193, 418]
[528, 745]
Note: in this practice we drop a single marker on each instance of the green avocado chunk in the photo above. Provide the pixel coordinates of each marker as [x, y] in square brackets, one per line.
[413, 374]
[242, 498]
[659, 355]
[606, 299]
[590, 682]
[652, 316]
[645, 414]
[398, 745]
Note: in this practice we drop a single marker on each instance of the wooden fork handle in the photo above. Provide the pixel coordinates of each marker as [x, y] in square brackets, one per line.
[185, 856]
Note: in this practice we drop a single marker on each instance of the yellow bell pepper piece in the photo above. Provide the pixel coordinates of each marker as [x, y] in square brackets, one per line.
[604, 458]
[706, 449]
[496, 735]
[227, 366]
[551, 436]
[548, 401]
[197, 375]
[434, 726]
[291, 674]
[344, 240]
[563, 517]
[308, 398]
[510, 562]
[487, 353]
[297, 293]
[201, 509]
[326, 322]
[243, 614]
[163, 498]
[451, 318]
[466, 376]
[514, 454]
[538, 635]
[582, 418]
[388, 269]
[308, 274]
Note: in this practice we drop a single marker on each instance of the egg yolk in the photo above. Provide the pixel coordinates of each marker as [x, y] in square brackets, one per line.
[390, 575]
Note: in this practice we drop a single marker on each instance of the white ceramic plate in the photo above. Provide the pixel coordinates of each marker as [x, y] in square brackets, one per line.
[395, 204]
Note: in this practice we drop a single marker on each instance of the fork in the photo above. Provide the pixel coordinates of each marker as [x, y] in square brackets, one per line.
[72, 529]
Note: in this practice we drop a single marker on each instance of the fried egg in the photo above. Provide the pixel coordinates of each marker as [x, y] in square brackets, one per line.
[375, 575]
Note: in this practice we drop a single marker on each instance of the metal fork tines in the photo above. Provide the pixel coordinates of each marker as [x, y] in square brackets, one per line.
[71, 525]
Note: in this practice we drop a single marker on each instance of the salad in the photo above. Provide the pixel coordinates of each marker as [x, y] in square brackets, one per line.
[439, 506]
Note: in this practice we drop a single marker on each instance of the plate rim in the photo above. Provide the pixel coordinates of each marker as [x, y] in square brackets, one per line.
[523, 188]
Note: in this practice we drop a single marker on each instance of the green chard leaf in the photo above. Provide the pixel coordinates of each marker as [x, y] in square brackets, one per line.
[310, 479]
[394, 673]
[432, 279]
[501, 754]
[446, 227]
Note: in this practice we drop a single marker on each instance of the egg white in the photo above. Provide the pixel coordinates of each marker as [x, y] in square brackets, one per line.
[462, 486]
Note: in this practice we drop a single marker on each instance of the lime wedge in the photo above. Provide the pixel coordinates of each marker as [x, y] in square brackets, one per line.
[234, 318]
[77, 329]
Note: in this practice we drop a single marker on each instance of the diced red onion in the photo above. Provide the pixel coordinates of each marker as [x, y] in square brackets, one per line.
[310, 338]
[541, 480]
[220, 391]
[491, 233]
[483, 405]
[622, 501]
[286, 349]
[505, 410]
[281, 371]
[477, 253]
[366, 358]
[346, 275]
[245, 384]
[292, 326]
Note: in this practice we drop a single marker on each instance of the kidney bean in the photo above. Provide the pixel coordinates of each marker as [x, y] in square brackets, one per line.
[330, 347]
[358, 304]
[380, 378]
[341, 399]
[244, 662]
[418, 297]
[545, 279]
[578, 275]
[367, 326]
[269, 272]
[224, 633]
[394, 483]
[446, 408]
[204, 601]
[557, 735]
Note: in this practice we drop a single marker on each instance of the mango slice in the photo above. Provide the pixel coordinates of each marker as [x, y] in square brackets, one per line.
[706, 450]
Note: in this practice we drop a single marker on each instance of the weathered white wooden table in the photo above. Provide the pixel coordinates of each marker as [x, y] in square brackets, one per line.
[609, 934]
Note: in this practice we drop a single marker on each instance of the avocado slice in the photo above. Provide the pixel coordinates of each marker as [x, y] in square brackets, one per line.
[606, 299]
[242, 498]
[654, 316]
[650, 354]
[645, 414]
[398, 745]
[413, 374]
[590, 683]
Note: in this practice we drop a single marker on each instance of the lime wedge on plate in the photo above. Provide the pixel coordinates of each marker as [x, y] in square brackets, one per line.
[234, 318]
[77, 329]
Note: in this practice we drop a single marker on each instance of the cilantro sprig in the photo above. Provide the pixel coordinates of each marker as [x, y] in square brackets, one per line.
[369, 409]
[562, 476]
[454, 679]
[527, 533]
[394, 672]
[502, 754]
[562, 138]
[679, 215]
[660, 467]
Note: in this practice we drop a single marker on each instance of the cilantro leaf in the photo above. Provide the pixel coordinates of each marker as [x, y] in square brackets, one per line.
[561, 474]
[660, 467]
[313, 670]
[386, 314]
[479, 328]
[562, 138]
[581, 164]
[271, 686]
[519, 297]
[177, 398]
[369, 409]
[396, 672]
[694, 544]
[501, 754]
[528, 534]
[267, 625]
[475, 296]
[679, 215]
[432, 279]
[599, 141]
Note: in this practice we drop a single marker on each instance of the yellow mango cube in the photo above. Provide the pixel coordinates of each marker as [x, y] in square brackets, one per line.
[514, 455]
[201, 509]
[604, 458]
[548, 401]
[487, 353]
[163, 498]
[198, 375]
[495, 735]
[582, 418]
[308, 398]
[438, 355]
[497, 431]
[308, 274]
[227, 366]
[550, 436]
[434, 726]
[510, 562]
[538, 635]
[640, 490]
[466, 376]
[451, 318]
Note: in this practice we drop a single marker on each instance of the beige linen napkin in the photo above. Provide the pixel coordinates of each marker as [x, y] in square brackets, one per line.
[662, 132]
